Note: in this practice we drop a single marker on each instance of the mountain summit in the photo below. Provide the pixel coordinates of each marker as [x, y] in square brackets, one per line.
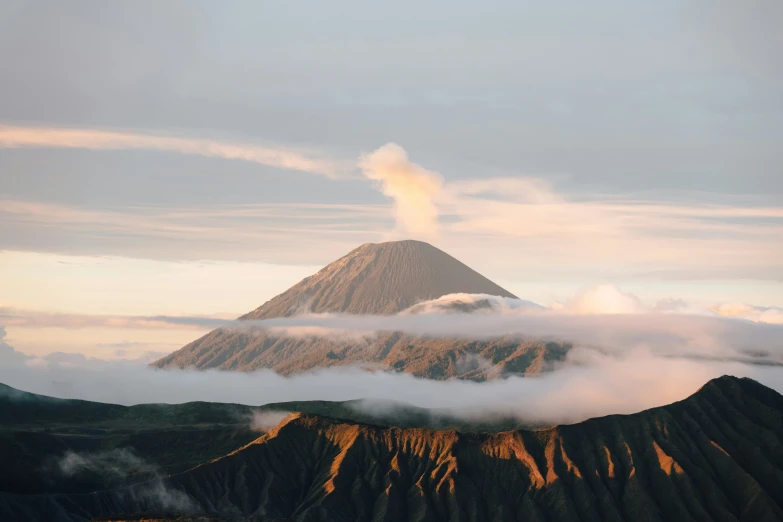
[378, 279]
[374, 279]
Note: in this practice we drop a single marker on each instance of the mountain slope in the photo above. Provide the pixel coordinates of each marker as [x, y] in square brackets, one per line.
[433, 358]
[717, 455]
[375, 279]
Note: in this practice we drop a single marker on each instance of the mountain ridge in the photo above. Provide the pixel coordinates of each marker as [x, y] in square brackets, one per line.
[715, 455]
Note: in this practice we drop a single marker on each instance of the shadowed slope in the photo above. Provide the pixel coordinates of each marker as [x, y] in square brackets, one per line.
[714, 456]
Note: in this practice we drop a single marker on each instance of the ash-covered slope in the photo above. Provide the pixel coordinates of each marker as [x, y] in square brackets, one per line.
[374, 279]
[377, 279]
[717, 455]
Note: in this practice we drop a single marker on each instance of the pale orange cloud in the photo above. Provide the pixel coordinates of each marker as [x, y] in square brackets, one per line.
[412, 187]
[102, 139]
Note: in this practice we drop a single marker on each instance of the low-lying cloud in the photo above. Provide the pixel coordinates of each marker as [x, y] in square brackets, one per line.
[265, 420]
[635, 357]
[597, 300]
[121, 463]
[608, 321]
[118, 462]
[588, 383]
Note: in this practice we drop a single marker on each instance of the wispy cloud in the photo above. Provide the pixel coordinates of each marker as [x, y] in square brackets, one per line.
[10, 317]
[525, 222]
[758, 314]
[283, 232]
[103, 139]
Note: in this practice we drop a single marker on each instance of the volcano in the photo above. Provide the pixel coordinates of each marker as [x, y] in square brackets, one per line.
[378, 279]
[374, 279]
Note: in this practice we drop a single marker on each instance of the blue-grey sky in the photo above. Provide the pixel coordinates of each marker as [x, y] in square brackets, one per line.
[568, 143]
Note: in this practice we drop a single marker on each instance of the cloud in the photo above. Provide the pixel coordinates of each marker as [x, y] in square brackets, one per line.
[39, 319]
[620, 363]
[460, 303]
[603, 318]
[324, 232]
[102, 139]
[119, 462]
[413, 188]
[589, 383]
[265, 420]
[605, 299]
[759, 314]
[617, 364]
[523, 222]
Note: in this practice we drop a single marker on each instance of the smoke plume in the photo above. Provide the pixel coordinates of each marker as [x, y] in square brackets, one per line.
[412, 187]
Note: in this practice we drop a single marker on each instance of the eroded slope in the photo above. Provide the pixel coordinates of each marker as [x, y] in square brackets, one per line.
[714, 456]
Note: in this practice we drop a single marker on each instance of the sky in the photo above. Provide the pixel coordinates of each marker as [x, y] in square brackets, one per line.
[197, 158]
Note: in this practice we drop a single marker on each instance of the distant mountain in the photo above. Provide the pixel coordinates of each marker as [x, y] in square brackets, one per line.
[715, 456]
[377, 279]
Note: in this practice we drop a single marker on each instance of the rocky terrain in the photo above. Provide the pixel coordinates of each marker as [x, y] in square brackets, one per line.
[717, 455]
[433, 358]
[377, 279]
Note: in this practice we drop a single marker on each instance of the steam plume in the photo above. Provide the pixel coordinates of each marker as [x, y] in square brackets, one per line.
[412, 187]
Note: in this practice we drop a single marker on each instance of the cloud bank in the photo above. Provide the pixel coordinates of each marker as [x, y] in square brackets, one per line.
[603, 318]
[620, 363]
[588, 384]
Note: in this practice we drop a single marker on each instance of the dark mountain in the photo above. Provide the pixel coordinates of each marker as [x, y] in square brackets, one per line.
[37, 431]
[378, 279]
[717, 455]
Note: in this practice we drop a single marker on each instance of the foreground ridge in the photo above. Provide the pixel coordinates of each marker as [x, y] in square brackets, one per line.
[716, 455]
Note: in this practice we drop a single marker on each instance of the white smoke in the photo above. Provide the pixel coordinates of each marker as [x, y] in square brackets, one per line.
[265, 420]
[412, 187]
[121, 463]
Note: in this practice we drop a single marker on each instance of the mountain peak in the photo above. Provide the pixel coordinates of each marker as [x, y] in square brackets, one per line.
[377, 279]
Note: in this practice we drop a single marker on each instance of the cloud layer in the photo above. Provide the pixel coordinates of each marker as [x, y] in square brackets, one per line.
[620, 363]
[103, 139]
[589, 384]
